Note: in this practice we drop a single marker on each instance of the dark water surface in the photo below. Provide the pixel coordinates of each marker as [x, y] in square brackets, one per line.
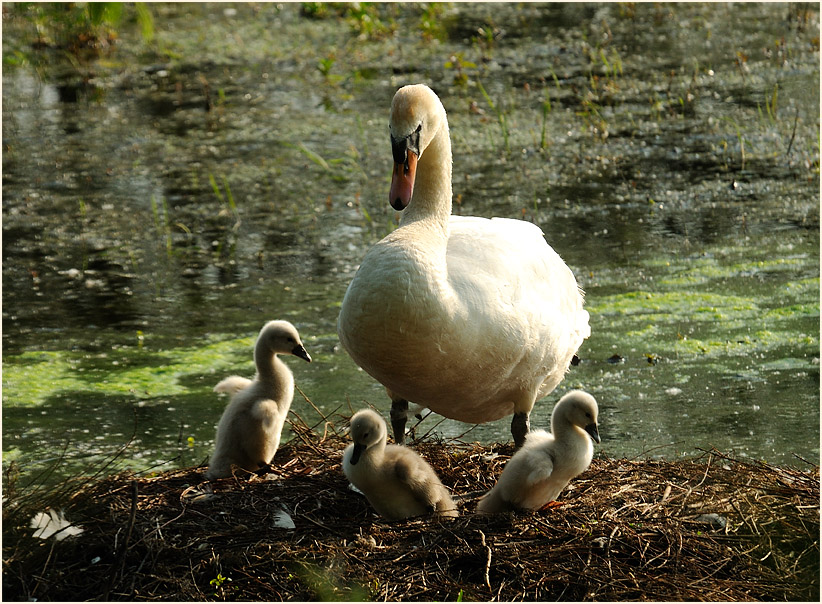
[162, 202]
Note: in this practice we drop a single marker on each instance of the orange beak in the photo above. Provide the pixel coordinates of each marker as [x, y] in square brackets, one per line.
[402, 182]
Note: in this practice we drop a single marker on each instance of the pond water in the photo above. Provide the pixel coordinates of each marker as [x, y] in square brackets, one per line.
[164, 200]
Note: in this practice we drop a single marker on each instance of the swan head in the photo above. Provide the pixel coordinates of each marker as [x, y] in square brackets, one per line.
[417, 115]
[367, 429]
[280, 337]
[579, 409]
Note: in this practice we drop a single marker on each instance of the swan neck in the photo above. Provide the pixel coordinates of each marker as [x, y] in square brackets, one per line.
[566, 431]
[431, 199]
[374, 454]
[561, 428]
[270, 369]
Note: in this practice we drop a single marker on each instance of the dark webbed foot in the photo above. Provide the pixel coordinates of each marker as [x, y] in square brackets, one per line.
[520, 426]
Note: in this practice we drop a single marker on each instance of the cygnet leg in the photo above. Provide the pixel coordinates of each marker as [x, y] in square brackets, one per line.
[520, 426]
[399, 415]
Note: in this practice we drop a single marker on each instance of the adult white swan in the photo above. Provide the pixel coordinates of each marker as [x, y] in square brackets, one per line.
[472, 318]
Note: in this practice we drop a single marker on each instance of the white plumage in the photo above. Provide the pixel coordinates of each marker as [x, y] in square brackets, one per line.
[546, 463]
[248, 434]
[472, 318]
[397, 482]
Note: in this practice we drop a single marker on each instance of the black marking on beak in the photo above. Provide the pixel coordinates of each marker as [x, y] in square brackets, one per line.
[401, 146]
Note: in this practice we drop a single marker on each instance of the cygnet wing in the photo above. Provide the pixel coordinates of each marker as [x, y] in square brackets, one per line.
[232, 385]
[539, 449]
[415, 473]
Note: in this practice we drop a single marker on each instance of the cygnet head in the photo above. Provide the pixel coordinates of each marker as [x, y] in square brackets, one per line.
[367, 430]
[280, 337]
[579, 409]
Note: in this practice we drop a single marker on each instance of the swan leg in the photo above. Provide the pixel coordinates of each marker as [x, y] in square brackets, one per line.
[551, 505]
[399, 415]
[264, 468]
[520, 426]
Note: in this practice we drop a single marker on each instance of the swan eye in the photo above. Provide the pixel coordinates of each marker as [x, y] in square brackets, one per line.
[414, 141]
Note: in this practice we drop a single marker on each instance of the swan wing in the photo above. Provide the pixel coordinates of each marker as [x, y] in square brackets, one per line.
[515, 294]
[508, 266]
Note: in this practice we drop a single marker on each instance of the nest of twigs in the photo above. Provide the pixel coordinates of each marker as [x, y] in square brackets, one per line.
[710, 528]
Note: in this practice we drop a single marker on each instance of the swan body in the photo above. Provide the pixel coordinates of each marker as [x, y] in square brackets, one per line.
[473, 318]
[248, 434]
[546, 463]
[397, 482]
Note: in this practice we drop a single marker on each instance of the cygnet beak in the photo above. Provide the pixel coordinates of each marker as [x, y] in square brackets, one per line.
[355, 454]
[301, 352]
[592, 430]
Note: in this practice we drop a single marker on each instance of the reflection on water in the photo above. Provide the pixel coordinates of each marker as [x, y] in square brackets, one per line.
[156, 214]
